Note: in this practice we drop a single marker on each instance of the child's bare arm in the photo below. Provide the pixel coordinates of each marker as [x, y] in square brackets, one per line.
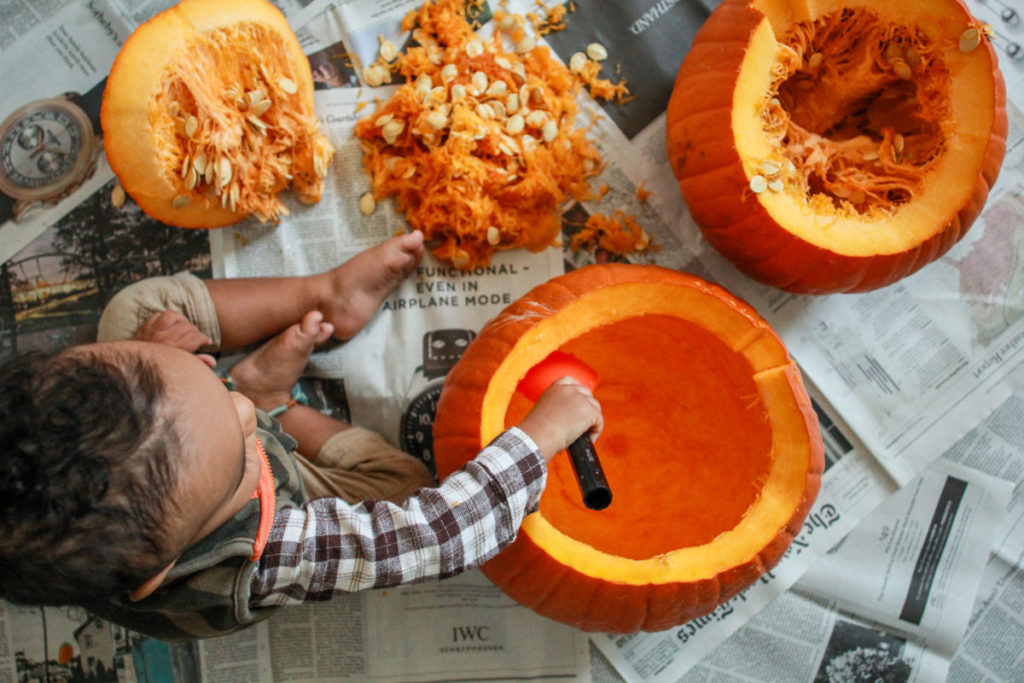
[565, 410]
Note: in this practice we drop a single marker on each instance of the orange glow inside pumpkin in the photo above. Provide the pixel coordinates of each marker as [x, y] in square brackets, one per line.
[665, 385]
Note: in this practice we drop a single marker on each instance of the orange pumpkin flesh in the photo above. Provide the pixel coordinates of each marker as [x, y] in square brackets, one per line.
[836, 146]
[208, 115]
[711, 447]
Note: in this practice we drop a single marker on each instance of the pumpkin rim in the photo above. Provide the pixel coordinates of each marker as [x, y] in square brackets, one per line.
[520, 338]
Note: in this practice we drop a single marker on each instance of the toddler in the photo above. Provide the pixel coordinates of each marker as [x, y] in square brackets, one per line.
[140, 485]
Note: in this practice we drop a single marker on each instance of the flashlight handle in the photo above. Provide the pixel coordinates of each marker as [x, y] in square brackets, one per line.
[589, 473]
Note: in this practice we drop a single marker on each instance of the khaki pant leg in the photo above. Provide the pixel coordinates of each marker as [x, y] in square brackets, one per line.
[183, 292]
[356, 464]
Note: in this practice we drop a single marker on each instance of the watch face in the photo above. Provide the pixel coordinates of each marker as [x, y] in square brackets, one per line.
[44, 147]
[417, 426]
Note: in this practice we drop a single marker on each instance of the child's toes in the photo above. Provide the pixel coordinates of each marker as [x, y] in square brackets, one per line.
[324, 333]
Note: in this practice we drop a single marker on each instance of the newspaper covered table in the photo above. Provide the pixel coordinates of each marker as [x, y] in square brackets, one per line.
[918, 388]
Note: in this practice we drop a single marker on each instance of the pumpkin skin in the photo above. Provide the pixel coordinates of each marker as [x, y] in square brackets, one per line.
[930, 114]
[204, 59]
[711, 447]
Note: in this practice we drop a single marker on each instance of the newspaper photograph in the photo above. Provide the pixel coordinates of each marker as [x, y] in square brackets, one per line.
[910, 565]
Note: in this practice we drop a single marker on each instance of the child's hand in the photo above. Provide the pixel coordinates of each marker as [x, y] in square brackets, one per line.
[562, 413]
[171, 328]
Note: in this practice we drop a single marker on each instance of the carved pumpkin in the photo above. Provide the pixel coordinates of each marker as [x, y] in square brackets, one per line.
[208, 115]
[830, 146]
[711, 447]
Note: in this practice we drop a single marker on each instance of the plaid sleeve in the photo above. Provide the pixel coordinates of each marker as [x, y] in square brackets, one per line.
[328, 547]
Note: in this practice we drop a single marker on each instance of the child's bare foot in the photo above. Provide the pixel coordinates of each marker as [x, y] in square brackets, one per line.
[358, 287]
[268, 374]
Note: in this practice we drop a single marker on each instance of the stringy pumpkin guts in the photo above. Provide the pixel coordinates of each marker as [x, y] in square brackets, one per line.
[858, 112]
[479, 148]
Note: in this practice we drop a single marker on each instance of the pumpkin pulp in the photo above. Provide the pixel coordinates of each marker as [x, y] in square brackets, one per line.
[859, 106]
[686, 445]
[858, 142]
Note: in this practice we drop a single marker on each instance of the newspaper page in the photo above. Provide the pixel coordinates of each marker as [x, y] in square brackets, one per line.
[461, 629]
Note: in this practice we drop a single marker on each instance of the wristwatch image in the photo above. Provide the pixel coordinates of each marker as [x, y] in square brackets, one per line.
[47, 149]
[441, 350]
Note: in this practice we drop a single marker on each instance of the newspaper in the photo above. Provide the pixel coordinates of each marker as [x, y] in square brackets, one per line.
[931, 365]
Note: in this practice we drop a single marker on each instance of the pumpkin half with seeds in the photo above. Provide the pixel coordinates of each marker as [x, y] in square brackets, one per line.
[837, 146]
[208, 115]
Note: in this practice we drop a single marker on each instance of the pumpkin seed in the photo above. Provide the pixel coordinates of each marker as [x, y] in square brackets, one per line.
[898, 142]
[436, 120]
[484, 111]
[448, 72]
[392, 130]
[577, 62]
[775, 185]
[815, 60]
[117, 196]
[503, 63]
[536, 119]
[758, 184]
[526, 44]
[493, 235]
[224, 172]
[320, 164]
[199, 163]
[235, 192]
[970, 39]
[191, 126]
[512, 102]
[870, 155]
[497, 89]
[185, 166]
[769, 168]
[192, 180]
[180, 202]
[479, 82]
[387, 49]
[597, 52]
[515, 124]
[458, 92]
[474, 48]
[902, 69]
[549, 132]
[375, 75]
[383, 120]
[367, 204]
[287, 85]
[508, 23]
[260, 108]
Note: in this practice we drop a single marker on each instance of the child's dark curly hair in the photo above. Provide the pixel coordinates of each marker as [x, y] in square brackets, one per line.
[86, 472]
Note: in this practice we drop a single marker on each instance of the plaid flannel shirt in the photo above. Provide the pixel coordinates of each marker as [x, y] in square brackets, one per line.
[328, 547]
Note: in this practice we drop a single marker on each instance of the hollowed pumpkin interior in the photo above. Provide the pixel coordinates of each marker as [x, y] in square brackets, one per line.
[686, 442]
[705, 442]
[858, 127]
